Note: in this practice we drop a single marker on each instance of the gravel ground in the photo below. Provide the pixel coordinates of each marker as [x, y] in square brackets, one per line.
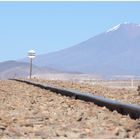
[30, 112]
[125, 95]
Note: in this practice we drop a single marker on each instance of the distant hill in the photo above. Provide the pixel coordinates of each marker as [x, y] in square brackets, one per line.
[14, 69]
[115, 51]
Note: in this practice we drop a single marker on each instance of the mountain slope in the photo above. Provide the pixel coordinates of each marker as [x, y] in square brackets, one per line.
[12, 69]
[115, 51]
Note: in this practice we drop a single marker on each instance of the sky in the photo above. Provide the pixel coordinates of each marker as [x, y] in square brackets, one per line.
[51, 26]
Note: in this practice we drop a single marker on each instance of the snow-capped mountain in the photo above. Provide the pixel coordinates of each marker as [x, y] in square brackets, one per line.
[115, 51]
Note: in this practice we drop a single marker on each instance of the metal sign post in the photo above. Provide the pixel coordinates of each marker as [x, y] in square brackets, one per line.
[31, 55]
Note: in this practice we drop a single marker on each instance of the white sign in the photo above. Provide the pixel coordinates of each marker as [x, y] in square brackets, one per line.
[31, 54]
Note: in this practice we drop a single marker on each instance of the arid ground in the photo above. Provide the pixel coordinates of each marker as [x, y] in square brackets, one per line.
[121, 94]
[30, 112]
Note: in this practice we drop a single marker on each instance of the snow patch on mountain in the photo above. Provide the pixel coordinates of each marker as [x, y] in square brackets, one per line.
[125, 24]
[114, 28]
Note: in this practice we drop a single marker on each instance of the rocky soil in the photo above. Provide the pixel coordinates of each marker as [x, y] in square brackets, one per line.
[125, 95]
[30, 112]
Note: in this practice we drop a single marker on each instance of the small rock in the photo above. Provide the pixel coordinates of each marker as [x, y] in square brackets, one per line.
[43, 135]
[27, 125]
[121, 132]
[2, 127]
[80, 119]
[60, 133]
[98, 130]
[115, 112]
[137, 136]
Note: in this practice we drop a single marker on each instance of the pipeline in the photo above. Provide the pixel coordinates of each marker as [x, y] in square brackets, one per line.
[123, 108]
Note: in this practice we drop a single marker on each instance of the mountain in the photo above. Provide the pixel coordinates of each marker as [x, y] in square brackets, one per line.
[14, 69]
[115, 51]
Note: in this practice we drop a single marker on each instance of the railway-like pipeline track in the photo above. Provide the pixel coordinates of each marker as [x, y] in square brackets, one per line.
[125, 109]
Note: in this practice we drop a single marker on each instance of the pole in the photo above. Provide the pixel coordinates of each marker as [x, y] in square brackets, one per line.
[30, 68]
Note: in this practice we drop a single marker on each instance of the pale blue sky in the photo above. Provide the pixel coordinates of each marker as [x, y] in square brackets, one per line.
[50, 26]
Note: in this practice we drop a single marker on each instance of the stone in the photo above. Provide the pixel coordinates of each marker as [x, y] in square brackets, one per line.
[41, 134]
[3, 126]
[121, 132]
[79, 119]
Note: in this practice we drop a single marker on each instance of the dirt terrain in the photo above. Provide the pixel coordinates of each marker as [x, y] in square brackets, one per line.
[125, 95]
[30, 112]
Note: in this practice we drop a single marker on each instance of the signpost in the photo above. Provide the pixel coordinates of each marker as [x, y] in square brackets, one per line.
[31, 55]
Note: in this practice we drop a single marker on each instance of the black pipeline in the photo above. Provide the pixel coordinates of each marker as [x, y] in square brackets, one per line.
[123, 108]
